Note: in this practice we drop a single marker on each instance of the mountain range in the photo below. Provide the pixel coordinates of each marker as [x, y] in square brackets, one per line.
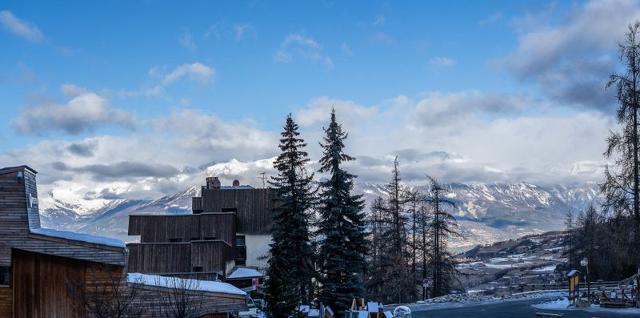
[486, 212]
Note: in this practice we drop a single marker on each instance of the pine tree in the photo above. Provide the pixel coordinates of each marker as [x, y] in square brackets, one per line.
[343, 244]
[290, 272]
[443, 227]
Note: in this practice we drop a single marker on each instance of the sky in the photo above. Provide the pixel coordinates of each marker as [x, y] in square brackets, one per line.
[136, 99]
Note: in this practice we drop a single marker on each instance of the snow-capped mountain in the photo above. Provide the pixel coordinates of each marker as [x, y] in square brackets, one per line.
[486, 212]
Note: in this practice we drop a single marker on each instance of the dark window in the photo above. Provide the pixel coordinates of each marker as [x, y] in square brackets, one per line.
[240, 240]
[229, 210]
[197, 268]
[209, 238]
[195, 239]
[174, 240]
[5, 275]
[241, 262]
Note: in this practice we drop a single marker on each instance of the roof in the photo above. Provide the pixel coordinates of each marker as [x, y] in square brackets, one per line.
[80, 237]
[190, 284]
[240, 187]
[245, 273]
[16, 168]
[572, 273]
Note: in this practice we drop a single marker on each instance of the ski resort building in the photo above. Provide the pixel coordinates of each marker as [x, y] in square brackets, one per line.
[226, 234]
[47, 273]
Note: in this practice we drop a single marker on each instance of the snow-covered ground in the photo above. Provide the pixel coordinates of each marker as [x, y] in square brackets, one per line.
[563, 304]
[471, 299]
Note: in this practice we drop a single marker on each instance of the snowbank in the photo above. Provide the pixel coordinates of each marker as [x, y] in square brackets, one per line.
[81, 237]
[563, 304]
[467, 300]
[191, 284]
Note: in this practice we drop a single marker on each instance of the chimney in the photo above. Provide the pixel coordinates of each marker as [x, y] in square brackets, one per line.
[236, 183]
[213, 183]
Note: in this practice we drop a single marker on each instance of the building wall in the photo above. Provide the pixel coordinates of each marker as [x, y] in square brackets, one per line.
[6, 301]
[257, 248]
[43, 285]
[253, 207]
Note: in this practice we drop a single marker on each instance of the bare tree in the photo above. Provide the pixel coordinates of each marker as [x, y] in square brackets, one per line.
[443, 227]
[183, 299]
[622, 181]
[105, 293]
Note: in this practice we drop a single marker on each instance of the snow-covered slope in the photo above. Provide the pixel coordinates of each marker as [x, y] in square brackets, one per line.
[487, 212]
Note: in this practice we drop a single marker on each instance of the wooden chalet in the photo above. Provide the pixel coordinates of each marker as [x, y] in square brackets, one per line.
[228, 228]
[37, 265]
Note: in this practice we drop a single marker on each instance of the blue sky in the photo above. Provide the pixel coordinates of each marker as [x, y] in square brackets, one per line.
[473, 90]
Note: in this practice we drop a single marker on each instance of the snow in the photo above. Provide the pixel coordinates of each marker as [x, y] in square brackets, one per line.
[466, 300]
[546, 269]
[244, 272]
[558, 304]
[191, 284]
[80, 237]
[563, 304]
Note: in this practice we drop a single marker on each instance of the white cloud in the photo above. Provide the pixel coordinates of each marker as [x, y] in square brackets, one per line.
[186, 40]
[195, 71]
[318, 111]
[572, 58]
[84, 111]
[241, 31]
[298, 46]
[441, 62]
[346, 49]
[20, 28]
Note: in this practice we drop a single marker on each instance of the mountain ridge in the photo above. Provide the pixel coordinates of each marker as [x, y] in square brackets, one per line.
[487, 212]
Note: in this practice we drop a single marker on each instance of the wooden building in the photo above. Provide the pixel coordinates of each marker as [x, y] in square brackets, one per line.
[38, 265]
[228, 228]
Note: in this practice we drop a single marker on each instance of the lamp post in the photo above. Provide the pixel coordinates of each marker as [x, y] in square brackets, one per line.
[585, 263]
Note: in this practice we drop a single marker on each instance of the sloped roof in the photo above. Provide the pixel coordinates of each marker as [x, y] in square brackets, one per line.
[245, 273]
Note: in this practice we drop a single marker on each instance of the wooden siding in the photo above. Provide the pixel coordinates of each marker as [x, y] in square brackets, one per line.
[167, 258]
[6, 302]
[13, 216]
[184, 228]
[253, 207]
[40, 285]
[211, 255]
[211, 304]
[159, 258]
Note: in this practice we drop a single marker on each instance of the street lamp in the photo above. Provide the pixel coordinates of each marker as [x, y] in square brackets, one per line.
[585, 263]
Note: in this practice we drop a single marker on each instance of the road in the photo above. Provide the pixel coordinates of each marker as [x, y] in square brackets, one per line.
[514, 309]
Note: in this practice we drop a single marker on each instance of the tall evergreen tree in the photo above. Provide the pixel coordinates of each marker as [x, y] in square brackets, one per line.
[290, 272]
[343, 244]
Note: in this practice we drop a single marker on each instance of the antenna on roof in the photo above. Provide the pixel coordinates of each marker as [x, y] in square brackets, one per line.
[263, 176]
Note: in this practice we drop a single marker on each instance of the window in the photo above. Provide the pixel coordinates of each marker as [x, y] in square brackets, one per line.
[240, 240]
[197, 268]
[5, 275]
[174, 240]
[209, 238]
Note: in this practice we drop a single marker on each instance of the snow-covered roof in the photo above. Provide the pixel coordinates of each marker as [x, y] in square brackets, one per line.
[191, 284]
[244, 272]
[80, 237]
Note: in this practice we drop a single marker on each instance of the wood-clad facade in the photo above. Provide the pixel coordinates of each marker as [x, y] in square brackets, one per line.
[43, 270]
[207, 243]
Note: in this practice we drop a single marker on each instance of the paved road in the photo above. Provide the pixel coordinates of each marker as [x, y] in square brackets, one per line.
[513, 309]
